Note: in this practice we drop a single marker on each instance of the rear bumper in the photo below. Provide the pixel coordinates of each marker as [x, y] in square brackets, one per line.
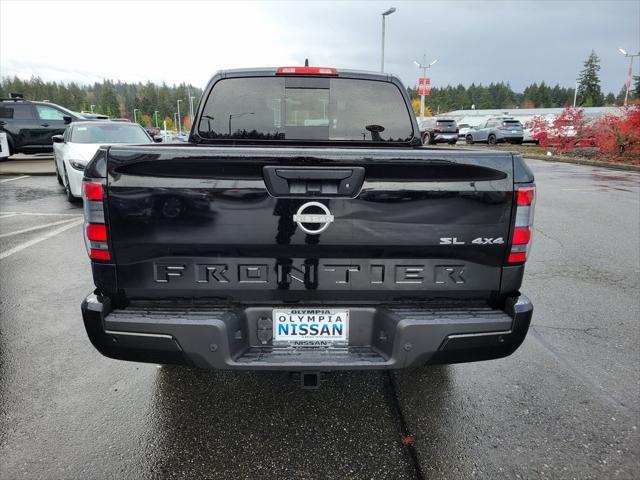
[229, 336]
[445, 137]
[511, 138]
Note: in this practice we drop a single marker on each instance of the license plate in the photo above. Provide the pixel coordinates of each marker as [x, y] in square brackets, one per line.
[310, 327]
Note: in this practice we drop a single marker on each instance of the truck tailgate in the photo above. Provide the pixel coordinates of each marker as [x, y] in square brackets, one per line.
[230, 222]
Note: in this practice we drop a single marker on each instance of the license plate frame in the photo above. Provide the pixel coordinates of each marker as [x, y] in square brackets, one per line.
[331, 327]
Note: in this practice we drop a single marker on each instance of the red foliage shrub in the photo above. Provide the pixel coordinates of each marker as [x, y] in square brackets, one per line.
[619, 136]
[567, 130]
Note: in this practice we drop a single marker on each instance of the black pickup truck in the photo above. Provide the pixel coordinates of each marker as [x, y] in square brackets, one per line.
[304, 227]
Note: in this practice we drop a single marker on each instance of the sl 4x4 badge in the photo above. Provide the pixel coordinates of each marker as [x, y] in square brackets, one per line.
[475, 241]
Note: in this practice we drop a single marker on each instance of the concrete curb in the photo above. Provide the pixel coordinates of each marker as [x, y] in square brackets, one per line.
[584, 161]
[561, 159]
[22, 172]
[28, 165]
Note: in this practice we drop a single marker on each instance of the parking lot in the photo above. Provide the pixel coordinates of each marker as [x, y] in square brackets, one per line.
[565, 405]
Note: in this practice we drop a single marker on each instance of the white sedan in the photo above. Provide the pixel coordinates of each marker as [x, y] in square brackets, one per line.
[73, 150]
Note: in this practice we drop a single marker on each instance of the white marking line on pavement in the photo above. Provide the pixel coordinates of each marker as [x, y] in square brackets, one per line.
[46, 236]
[14, 178]
[44, 214]
[7, 215]
[37, 227]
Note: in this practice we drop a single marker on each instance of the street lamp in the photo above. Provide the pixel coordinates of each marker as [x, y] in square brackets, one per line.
[384, 15]
[631, 56]
[156, 115]
[179, 119]
[135, 119]
[91, 108]
[234, 115]
[424, 67]
[191, 107]
[175, 119]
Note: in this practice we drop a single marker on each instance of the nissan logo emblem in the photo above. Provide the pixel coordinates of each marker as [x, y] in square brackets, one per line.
[323, 219]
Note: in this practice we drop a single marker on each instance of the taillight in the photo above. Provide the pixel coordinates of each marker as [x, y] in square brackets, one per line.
[92, 190]
[521, 237]
[95, 230]
[307, 71]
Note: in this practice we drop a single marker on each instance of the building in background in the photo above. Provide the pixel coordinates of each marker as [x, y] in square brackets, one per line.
[478, 117]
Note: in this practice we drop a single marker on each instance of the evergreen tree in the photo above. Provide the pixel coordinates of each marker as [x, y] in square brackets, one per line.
[589, 91]
[108, 101]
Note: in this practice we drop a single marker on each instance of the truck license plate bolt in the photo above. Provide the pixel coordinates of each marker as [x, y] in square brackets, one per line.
[213, 347]
[407, 346]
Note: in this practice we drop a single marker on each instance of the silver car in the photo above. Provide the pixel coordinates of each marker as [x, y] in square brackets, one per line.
[80, 142]
[463, 129]
[496, 130]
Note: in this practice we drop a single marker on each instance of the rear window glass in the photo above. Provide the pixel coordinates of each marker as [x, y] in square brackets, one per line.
[16, 111]
[446, 121]
[285, 108]
[109, 134]
[512, 122]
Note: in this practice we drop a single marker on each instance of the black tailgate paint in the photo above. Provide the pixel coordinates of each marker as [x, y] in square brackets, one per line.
[217, 213]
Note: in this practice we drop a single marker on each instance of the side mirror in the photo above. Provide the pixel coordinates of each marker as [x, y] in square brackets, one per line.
[67, 119]
[157, 139]
[57, 139]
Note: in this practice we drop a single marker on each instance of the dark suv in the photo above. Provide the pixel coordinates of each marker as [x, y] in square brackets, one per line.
[30, 125]
[436, 130]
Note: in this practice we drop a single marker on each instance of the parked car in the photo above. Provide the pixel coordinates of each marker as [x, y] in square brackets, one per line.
[30, 125]
[439, 130]
[152, 131]
[527, 136]
[463, 128]
[496, 130]
[328, 241]
[182, 137]
[73, 150]
[93, 116]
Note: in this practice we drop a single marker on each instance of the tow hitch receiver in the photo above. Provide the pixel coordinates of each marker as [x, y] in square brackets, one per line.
[310, 380]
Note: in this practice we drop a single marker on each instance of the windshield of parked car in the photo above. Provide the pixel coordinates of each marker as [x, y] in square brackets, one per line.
[306, 108]
[109, 133]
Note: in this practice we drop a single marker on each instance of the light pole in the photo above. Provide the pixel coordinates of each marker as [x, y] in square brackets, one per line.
[191, 107]
[91, 108]
[179, 119]
[631, 56]
[384, 14]
[135, 119]
[175, 119]
[156, 115]
[424, 67]
[234, 115]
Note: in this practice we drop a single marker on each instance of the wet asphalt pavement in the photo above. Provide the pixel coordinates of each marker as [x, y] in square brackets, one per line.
[565, 405]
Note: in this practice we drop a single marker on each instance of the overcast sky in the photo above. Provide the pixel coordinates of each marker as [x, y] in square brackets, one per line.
[519, 42]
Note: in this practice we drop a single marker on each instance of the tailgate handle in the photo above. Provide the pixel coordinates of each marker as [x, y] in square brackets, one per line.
[316, 174]
[313, 181]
